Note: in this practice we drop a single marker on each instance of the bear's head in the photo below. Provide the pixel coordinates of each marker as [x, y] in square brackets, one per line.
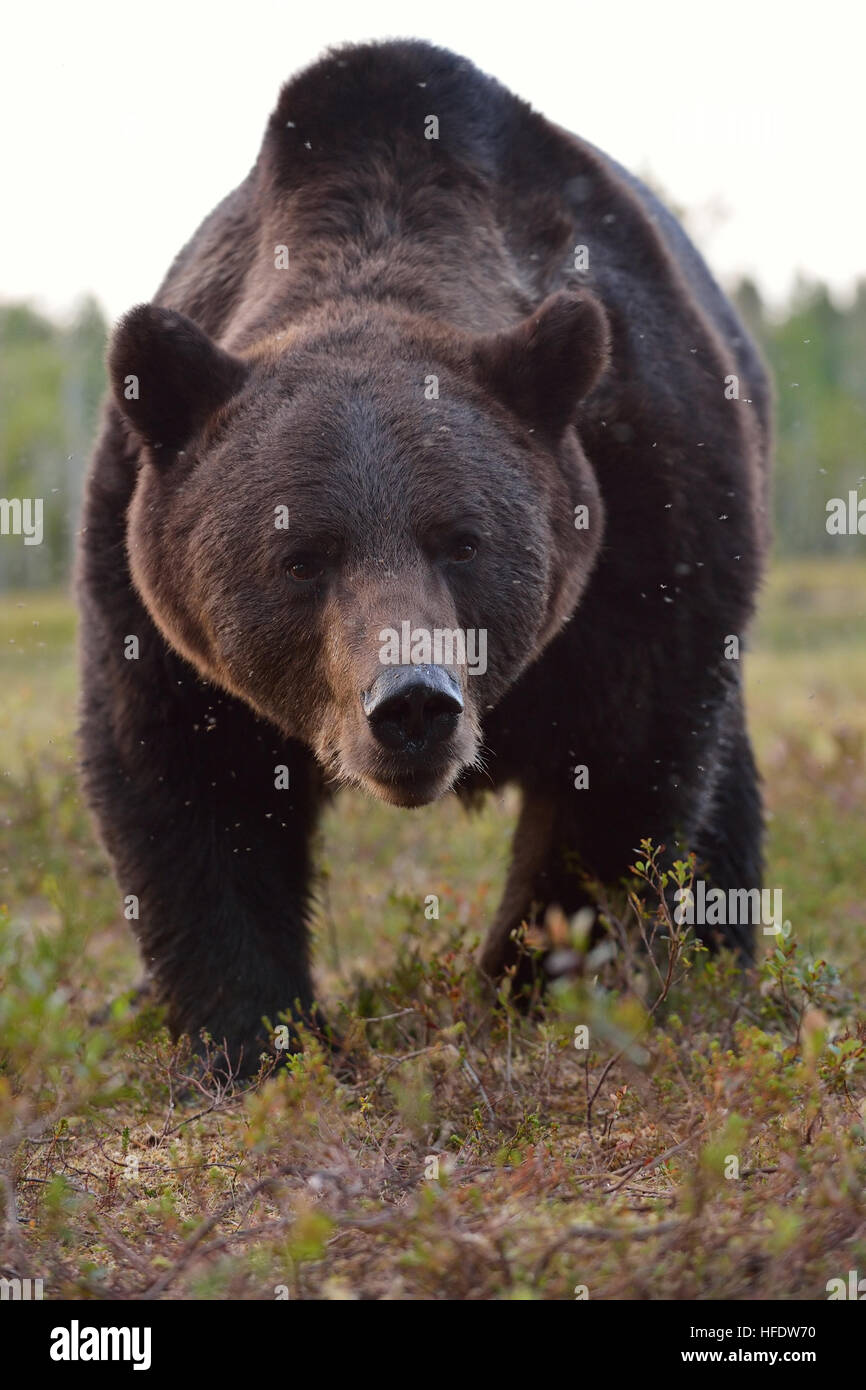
[367, 527]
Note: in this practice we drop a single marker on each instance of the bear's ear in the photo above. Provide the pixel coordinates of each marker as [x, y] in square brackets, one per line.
[546, 364]
[167, 376]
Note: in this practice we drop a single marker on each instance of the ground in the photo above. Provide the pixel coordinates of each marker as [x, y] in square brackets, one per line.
[709, 1142]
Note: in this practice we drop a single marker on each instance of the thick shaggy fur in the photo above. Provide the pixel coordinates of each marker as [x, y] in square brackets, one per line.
[256, 387]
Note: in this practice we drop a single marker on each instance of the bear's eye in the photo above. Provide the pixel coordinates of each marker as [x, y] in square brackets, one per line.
[465, 548]
[305, 569]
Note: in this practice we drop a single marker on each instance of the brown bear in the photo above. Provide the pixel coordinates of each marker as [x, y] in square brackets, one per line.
[439, 461]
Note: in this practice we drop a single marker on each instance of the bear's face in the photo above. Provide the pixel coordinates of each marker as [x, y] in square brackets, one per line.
[363, 531]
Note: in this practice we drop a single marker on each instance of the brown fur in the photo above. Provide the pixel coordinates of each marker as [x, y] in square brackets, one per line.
[558, 389]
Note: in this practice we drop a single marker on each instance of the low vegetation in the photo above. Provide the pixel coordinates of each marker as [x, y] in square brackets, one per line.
[708, 1141]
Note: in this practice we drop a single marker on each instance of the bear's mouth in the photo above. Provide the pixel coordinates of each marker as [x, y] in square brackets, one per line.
[412, 788]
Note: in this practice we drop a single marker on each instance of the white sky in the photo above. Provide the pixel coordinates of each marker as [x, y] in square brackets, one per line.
[123, 124]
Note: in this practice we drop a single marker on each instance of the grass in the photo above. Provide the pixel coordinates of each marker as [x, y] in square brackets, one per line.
[708, 1143]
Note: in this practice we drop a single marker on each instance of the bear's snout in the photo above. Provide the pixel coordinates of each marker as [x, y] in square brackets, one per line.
[414, 729]
[413, 709]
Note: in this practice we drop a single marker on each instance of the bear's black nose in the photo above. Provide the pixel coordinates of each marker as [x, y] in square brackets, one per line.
[413, 708]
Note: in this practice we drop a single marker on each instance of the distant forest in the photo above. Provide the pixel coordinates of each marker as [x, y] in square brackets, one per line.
[52, 378]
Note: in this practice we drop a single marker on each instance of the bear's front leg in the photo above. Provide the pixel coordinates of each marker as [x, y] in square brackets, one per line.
[541, 875]
[208, 814]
